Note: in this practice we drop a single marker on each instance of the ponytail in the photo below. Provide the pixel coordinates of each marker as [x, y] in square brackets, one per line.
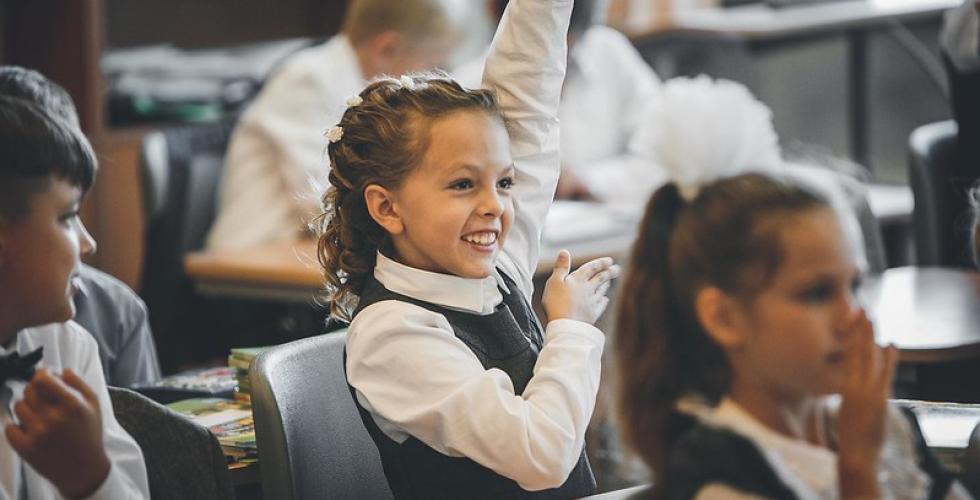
[662, 351]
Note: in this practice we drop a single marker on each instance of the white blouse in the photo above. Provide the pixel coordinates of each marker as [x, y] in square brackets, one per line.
[810, 470]
[406, 364]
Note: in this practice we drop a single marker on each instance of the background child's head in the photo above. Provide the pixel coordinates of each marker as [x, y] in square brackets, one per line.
[385, 139]
[395, 37]
[32, 86]
[47, 167]
[692, 299]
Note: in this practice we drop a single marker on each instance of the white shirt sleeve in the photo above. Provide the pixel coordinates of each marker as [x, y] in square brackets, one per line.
[526, 68]
[417, 378]
[127, 474]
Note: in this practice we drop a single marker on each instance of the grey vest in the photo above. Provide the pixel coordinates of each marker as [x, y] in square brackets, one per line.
[507, 339]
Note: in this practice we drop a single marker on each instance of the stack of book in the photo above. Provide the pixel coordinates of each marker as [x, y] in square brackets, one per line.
[200, 383]
[230, 421]
[239, 362]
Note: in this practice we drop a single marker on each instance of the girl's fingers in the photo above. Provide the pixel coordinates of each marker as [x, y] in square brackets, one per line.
[603, 288]
[889, 360]
[595, 266]
[563, 264]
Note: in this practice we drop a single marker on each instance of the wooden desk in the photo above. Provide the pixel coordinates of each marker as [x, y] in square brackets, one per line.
[279, 272]
[761, 22]
[931, 314]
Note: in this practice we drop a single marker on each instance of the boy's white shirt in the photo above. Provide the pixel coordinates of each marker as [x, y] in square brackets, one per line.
[407, 366]
[68, 345]
[278, 147]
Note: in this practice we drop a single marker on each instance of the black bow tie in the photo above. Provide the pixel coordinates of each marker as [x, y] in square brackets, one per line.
[16, 367]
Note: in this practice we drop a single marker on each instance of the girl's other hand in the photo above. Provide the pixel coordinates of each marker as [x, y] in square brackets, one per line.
[869, 370]
[579, 295]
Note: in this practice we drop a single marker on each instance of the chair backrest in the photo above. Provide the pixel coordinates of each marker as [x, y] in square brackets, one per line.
[180, 170]
[970, 471]
[938, 222]
[183, 459]
[312, 443]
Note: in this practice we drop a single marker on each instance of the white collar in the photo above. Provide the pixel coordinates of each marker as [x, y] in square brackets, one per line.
[476, 295]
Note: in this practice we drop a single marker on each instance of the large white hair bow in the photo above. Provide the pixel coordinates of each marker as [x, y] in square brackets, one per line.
[705, 129]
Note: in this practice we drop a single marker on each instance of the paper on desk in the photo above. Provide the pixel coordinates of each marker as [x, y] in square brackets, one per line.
[948, 430]
[576, 221]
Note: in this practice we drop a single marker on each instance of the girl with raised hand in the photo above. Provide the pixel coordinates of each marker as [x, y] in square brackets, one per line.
[429, 247]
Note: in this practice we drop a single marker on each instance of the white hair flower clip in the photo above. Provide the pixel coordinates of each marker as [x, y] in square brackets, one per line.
[407, 82]
[354, 100]
[334, 134]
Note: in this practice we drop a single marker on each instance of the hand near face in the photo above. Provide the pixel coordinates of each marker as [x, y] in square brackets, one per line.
[579, 295]
[869, 370]
[60, 432]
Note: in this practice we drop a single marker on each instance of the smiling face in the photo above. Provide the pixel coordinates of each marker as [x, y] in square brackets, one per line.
[794, 330]
[39, 258]
[452, 213]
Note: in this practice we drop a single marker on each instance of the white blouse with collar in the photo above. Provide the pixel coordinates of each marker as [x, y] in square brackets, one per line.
[810, 470]
[406, 364]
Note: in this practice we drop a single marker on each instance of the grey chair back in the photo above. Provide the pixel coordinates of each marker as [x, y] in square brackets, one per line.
[180, 171]
[939, 220]
[312, 443]
[970, 472]
[183, 459]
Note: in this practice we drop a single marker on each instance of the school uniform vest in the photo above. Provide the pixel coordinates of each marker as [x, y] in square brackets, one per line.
[704, 455]
[507, 339]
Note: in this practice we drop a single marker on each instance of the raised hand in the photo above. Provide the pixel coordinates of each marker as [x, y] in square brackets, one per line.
[579, 295]
[60, 432]
[869, 370]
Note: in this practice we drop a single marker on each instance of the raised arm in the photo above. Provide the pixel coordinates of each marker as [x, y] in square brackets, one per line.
[526, 68]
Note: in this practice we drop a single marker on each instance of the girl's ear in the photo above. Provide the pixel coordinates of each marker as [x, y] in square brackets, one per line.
[721, 316]
[381, 206]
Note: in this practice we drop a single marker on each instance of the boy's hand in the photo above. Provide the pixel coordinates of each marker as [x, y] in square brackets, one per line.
[861, 423]
[60, 432]
[580, 295]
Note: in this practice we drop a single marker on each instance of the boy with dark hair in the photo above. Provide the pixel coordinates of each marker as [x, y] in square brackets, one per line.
[114, 315]
[60, 437]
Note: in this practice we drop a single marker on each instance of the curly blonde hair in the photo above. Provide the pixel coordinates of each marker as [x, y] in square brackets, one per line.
[384, 137]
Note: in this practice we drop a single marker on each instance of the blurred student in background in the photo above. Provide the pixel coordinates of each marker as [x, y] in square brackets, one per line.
[270, 187]
[607, 88]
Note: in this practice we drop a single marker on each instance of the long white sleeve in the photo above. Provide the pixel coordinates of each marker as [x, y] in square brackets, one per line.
[526, 68]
